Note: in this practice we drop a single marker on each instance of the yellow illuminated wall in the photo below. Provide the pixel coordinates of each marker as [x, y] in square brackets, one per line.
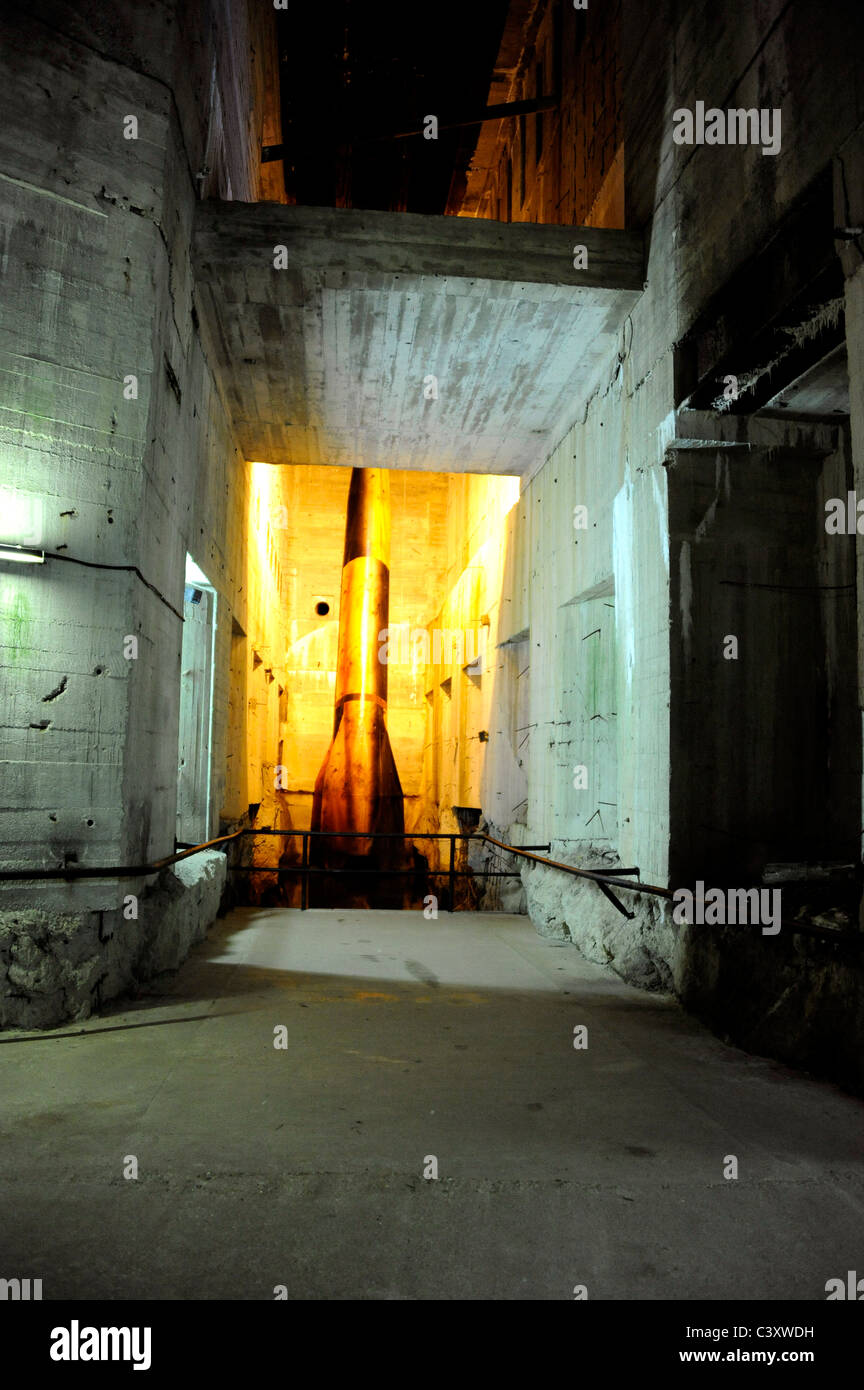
[447, 559]
[462, 696]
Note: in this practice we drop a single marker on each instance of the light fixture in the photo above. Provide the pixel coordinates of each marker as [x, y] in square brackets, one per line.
[22, 554]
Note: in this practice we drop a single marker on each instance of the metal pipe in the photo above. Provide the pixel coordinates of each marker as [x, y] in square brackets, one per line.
[352, 872]
[124, 871]
[596, 874]
[500, 112]
[397, 835]
[451, 887]
[505, 109]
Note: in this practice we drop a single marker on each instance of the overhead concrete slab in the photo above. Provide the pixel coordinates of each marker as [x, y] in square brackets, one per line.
[401, 341]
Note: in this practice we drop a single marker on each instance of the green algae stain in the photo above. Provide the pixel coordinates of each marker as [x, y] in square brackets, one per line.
[15, 621]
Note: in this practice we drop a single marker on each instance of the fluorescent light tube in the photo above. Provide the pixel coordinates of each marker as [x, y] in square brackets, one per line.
[22, 554]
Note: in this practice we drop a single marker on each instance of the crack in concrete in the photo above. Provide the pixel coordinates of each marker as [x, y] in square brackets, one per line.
[56, 197]
[55, 694]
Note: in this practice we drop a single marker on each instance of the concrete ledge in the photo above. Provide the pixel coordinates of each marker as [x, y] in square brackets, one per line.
[713, 430]
[56, 966]
[355, 240]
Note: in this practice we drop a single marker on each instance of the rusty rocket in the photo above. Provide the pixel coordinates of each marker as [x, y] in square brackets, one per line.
[358, 786]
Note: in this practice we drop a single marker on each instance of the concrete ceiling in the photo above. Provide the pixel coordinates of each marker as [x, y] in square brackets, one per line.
[325, 361]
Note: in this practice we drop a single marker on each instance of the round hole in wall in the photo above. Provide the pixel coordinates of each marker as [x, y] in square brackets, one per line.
[88, 821]
[322, 609]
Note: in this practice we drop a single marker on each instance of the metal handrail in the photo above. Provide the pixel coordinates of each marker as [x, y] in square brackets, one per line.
[124, 871]
[605, 881]
[845, 934]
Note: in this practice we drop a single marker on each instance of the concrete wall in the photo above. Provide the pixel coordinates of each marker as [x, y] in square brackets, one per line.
[719, 780]
[466, 679]
[766, 750]
[122, 476]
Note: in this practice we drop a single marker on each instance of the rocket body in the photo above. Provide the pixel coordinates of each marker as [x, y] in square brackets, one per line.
[358, 786]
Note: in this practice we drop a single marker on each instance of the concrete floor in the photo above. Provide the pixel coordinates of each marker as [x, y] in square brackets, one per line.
[303, 1167]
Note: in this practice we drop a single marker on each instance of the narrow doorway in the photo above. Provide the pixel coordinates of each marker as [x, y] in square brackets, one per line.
[196, 707]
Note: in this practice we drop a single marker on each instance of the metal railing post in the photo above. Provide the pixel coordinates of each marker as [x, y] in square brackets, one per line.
[451, 901]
